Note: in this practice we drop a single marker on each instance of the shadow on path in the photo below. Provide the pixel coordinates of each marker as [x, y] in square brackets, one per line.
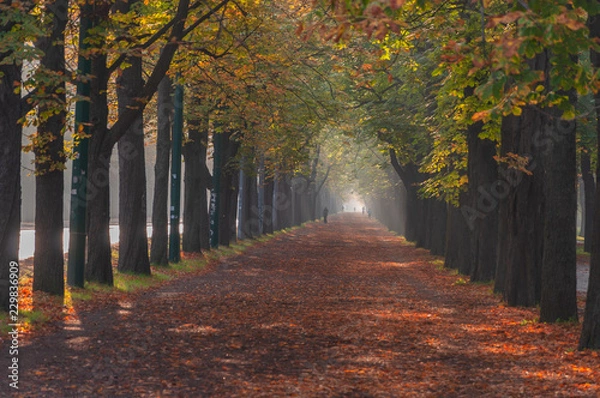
[329, 310]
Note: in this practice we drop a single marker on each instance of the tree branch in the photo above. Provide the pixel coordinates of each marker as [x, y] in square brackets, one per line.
[160, 69]
[153, 39]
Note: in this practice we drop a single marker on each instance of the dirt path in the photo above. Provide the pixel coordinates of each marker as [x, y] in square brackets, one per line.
[330, 310]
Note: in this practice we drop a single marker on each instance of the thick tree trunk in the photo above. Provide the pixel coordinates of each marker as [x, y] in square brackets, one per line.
[282, 202]
[589, 190]
[206, 184]
[267, 211]
[590, 332]
[160, 203]
[437, 227]
[197, 180]
[231, 195]
[415, 211]
[10, 176]
[559, 269]
[485, 192]
[557, 141]
[521, 235]
[133, 238]
[99, 259]
[458, 242]
[191, 217]
[229, 190]
[48, 262]
[99, 264]
[299, 186]
[249, 212]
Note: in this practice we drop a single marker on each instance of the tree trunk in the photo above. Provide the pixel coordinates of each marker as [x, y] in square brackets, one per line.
[415, 213]
[205, 185]
[299, 188]
[458, 241]
[437, 227]
[160, 204]
[197, 180]
[485, 192]
[589, 190]
[48, 262]
[249, 212]
[282, 202]
[590, 332]
[133, 237]
[229, 190]
[559, 269]
[521, 235]
[10, 175]
[557, 141]
[267, 213]
[99, 259]
[99, 264]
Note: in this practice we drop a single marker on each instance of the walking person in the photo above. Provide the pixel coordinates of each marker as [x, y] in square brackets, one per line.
[325, 213]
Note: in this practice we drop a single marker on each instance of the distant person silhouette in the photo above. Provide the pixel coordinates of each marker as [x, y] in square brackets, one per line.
[369, 213]
[325, 213]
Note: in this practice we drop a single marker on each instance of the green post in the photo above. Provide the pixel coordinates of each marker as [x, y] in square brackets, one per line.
[174, 239]
[77, 232]
[215, 208]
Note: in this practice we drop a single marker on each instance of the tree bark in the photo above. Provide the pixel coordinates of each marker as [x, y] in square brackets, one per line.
[485, 191]
[197, 180]
[99, 264]
[10, 174]
[229, 189]
[267, 213]
[559, 269]
[415, 213]
[133, 237]
[590, 332]
[557, 140]
[589, 190]
[48, 262]
[205, 186]
[160, 203]
[282, 202]
[458, 242]
[521, 235]
[249, 212]
[437, 227]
